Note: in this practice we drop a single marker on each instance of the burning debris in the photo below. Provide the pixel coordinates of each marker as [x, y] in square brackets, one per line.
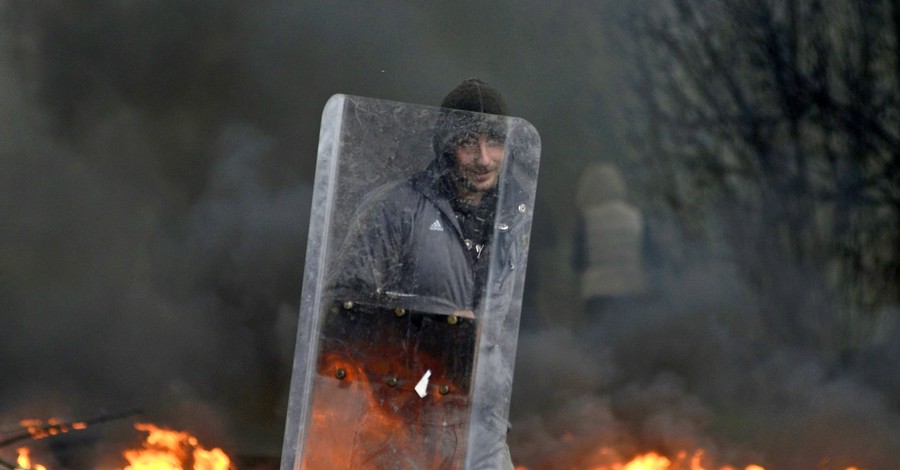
[162, 449]
[696, 460]
[24, 461]
[165, 449]
[34, 429]
[655, 461]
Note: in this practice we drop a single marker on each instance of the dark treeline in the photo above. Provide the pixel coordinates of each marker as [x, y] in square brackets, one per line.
[774, 128]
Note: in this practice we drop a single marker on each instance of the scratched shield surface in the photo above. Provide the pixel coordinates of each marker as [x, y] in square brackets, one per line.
[400, 378]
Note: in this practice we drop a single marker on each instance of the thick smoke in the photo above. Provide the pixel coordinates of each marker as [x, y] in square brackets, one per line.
[155, 168]
[155, 171]
[152, 247]
[688, 368]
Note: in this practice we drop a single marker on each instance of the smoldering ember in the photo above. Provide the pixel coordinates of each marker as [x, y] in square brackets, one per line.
[712, 279]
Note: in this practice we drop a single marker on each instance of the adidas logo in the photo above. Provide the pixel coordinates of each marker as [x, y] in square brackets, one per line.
[436, 226]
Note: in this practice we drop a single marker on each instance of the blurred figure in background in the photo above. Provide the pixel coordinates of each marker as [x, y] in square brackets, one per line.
[608, 243]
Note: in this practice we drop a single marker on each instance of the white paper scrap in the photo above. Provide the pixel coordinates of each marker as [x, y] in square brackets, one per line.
[423, 384]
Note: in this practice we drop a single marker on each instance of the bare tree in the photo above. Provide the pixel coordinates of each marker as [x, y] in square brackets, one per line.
[776, 122]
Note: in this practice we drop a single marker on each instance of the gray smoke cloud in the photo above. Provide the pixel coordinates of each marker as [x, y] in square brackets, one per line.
[689, 368]
[152, 248]
[155, 171]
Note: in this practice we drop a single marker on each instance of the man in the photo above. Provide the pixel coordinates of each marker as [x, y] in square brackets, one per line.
[424, 244]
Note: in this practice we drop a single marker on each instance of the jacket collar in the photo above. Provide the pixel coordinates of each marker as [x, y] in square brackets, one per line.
[435, 184]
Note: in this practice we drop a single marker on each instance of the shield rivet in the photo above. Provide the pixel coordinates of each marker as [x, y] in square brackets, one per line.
[522, 208]
[340, 374]
[348, 305]
[452, 319]
[503, 227]
[399, 312]
[445, 389]
[392, 382]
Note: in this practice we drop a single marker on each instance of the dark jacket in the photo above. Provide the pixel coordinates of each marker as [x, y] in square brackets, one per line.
[406, 248]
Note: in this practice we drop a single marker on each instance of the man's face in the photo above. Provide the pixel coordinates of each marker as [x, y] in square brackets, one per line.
[478, 163]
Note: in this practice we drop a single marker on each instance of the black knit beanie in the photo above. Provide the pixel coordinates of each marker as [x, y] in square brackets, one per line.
[475, 95]
[472, 95]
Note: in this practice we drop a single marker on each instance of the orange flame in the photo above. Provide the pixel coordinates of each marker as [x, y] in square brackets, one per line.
[649, 461]
[655, 461]
[39, 429]
[24, 459]
[165, 449]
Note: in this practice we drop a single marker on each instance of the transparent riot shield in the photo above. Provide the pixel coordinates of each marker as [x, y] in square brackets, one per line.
[411, 293]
